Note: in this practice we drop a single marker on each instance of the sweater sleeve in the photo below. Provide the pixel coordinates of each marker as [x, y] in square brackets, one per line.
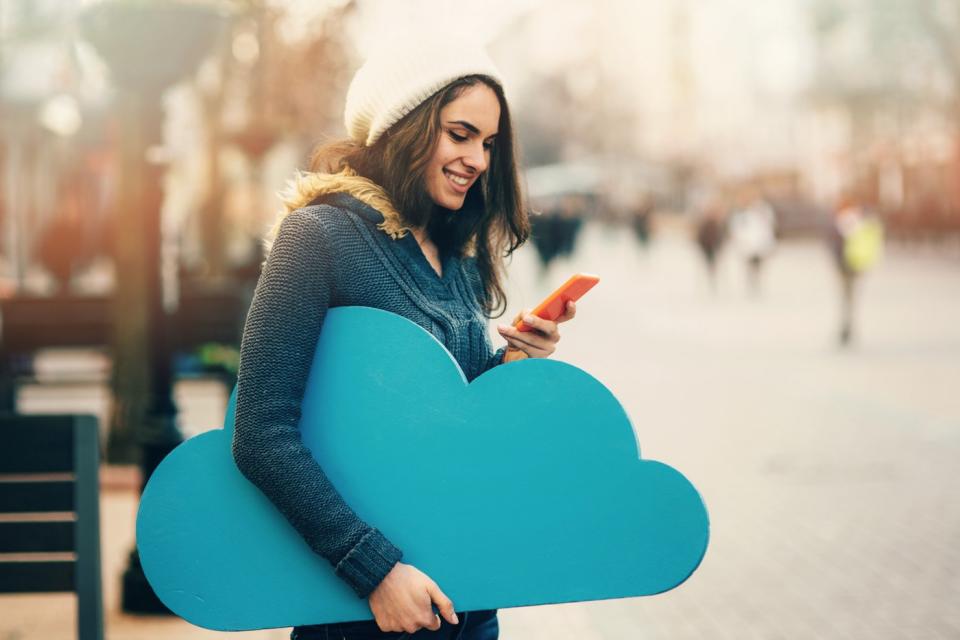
[495, 359]
[279, 340]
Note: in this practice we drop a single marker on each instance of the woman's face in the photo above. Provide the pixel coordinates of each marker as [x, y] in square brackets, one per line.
[468, 126]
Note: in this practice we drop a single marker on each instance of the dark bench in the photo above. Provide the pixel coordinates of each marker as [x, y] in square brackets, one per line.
[31, 323]
[50, 513]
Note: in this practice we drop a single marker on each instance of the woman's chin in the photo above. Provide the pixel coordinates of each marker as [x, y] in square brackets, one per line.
[451, 202]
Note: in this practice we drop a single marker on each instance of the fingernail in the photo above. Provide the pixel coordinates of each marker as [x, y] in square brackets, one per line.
[502, 327]
[456, 620]
[529, 320]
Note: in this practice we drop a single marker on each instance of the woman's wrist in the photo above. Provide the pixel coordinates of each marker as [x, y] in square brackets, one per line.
[368, 563]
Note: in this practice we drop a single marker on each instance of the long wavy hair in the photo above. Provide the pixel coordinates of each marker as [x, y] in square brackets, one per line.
[493, 221]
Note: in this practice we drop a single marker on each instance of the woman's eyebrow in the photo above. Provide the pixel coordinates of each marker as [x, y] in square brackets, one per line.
[467, 125]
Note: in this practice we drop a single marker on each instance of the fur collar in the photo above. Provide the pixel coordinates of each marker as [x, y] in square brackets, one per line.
[305, 187]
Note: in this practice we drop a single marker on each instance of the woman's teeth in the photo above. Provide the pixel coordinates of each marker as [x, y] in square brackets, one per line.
[457, 179]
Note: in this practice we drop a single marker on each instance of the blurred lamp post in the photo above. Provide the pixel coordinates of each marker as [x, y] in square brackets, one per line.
[147, 46]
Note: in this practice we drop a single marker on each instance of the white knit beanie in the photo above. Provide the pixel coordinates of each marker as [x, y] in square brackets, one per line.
[395, 79]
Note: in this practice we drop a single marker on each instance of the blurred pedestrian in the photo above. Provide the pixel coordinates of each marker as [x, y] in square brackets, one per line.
[641, 218]
[753, 234]
[856, 242]
[414, 215]
[710, 236]
[555, 230]
[545, 234]
[572, 209]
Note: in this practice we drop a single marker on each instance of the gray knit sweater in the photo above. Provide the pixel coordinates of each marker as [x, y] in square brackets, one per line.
[325, 256]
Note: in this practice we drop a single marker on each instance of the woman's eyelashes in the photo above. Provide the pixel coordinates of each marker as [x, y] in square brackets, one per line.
[487, 144]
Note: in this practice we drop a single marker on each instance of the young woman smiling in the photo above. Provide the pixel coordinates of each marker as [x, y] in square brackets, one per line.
[414, 214]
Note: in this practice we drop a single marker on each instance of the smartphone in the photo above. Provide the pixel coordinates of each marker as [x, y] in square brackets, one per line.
[555, 304]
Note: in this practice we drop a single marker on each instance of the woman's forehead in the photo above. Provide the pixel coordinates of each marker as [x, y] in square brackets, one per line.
[477, 105]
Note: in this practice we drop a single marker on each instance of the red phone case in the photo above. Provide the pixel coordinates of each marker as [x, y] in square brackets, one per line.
[553, 306]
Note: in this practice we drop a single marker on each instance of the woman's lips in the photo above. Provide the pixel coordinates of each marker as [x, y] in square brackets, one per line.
[459, 183]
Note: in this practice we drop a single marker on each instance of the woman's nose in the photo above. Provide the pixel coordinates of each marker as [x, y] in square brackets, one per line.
[477, 158]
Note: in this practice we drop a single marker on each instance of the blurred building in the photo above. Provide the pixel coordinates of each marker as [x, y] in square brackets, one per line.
[884, 117]
[804, 99]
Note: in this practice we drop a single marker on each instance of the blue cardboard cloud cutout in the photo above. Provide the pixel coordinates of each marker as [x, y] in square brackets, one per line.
[523, 487]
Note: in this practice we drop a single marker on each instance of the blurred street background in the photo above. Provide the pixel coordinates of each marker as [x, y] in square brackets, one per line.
[770, 194]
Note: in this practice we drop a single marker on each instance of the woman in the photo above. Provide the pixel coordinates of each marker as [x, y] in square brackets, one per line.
[414, 215]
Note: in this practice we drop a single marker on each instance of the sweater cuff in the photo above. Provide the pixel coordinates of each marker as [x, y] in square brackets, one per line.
[368, 563]
[495, 359]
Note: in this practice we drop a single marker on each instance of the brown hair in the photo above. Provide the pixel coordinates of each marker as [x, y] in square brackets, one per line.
[492, 223]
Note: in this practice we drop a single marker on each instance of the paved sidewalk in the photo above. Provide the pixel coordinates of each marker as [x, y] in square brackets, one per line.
[830, 476]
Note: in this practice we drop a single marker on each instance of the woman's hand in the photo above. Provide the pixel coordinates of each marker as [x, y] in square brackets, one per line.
[542, 341]
[402, 601]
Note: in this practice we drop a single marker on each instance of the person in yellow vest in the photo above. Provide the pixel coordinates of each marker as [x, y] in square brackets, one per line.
[857, 244]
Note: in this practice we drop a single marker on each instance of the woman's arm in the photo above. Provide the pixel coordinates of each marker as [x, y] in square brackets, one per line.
[279, 339]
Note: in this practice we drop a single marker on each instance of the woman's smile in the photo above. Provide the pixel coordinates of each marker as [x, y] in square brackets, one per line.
[460, 183]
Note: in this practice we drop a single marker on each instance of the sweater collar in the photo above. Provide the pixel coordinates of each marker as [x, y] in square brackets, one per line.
[347, 201]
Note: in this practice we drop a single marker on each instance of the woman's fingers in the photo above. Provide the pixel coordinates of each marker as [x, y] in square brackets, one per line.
[546, 328]
[402, 601]
[533, 347]
[432, 625]
[531, 343]
[426, 618]
[444, 605]
[541, 328]
[569, 312]
[541, 341]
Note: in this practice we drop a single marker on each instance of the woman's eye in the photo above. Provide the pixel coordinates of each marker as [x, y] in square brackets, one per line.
[457, 136]
[488, 145]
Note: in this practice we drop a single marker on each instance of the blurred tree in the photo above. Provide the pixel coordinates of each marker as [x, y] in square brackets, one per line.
[132, 38]
[941, 20]
[307, 78]
[271, 82]
[894, 69]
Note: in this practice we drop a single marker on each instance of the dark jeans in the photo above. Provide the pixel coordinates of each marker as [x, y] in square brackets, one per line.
[474, 625]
